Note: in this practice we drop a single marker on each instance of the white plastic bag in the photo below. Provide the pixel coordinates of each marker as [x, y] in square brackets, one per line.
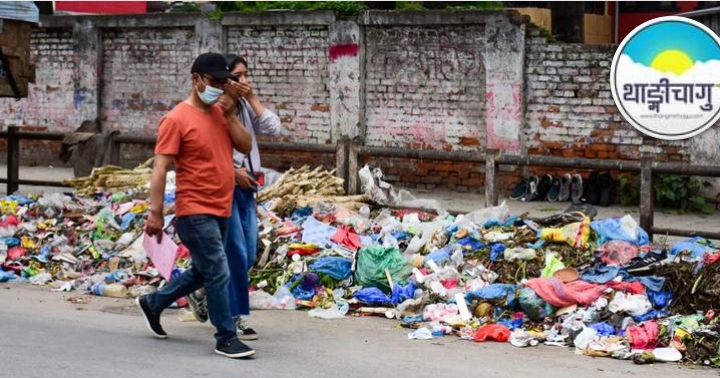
[585, 337]
[480, 217]
[282, 300]
[334, 312]
[635, 305]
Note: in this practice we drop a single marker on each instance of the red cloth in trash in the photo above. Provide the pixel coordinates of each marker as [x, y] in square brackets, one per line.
[182, 252]
[643, 336]
[347, 237]
[558, 294]
[712, 258]
[10, 220]
[494, 332]
[15, 253]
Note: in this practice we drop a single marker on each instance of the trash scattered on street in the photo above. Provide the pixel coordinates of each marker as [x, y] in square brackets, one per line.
[566, 280]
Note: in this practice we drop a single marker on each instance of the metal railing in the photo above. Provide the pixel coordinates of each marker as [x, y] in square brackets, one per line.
[348, 155]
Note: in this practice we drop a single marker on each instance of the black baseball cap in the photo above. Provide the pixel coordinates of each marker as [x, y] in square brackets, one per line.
[213, 64]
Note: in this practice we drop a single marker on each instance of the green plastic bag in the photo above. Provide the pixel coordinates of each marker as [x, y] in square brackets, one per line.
[552, 265]
[372, 262]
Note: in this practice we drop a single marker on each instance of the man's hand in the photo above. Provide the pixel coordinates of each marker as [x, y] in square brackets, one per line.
[154, 225]
[228, 105]
[243, 179]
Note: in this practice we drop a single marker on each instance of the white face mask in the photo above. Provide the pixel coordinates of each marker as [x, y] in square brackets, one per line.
[211, 95]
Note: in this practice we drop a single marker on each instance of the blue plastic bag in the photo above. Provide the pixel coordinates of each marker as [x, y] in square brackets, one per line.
[10, 242]
[603, 329]
[127, 221]
[660, 299]
[400, 294]
[612, 229]
[372, 295]
[497, 251]
[696, 250]
[7, 276]
[494, 292]
[440, 255]
[469, 244]
[337, 268]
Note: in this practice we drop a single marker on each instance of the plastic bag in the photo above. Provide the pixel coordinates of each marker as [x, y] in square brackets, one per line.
[534, 306]
[336, 267]
[521, 254]
[401, 294]
[618, 252]
[371, 295]
[552, 265]
[420, 334]
[498, 213]
[633, 304]
[574, 234]
[405, 199]
[374, 260]
[440, 312]
[495, 332]
[585, 337]
[281, 300]
[334, 312]
[625, 229]
[41, 279]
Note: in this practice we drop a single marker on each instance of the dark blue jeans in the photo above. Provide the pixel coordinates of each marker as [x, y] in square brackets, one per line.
[241, 246]
[204, 236]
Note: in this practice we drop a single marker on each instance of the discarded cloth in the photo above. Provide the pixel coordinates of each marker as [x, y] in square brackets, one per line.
[643, 336]
[494, 332]
[559, 294]
[625, 229]
[603, 274]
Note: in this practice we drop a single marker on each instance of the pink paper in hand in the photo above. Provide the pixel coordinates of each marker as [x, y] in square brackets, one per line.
[161, 254]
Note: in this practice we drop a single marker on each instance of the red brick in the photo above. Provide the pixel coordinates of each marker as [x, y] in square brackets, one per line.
[553, 109]
[603, 147]
[469, 141]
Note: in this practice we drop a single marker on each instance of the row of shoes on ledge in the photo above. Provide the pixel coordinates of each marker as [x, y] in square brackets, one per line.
[598, 189]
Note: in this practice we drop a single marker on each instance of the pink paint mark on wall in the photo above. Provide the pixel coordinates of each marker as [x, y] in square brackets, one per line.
[336, 52]
[504, 118]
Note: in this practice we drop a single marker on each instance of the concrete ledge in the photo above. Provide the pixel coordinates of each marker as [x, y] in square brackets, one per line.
[161, 20]
[279, 18]
[429, 17]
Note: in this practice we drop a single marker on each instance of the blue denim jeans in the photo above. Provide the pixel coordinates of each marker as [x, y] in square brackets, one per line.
[203, 235]
[241, 247]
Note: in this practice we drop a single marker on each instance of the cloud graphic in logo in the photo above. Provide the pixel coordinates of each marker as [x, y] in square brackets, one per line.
[692, 41]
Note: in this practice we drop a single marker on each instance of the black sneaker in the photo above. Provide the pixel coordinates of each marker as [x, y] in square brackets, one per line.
[593, 189]
[151, 320]
[544, 187]
[565, 183]
[607, 189]
[576, 192]
[244, 332]
[531, 192]
[554, 192]
[233, 348]
[519, 190]
[648, 262]
[198, 307]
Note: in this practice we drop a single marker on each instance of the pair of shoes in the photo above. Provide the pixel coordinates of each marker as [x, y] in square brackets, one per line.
[576, 189]
[549, 188]
[600, 189]
[532, 189]
[232, 348]
[244, 332]
[198, 307]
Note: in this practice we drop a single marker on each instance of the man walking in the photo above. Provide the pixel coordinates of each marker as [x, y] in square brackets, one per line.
[198, 137]
[242, 240]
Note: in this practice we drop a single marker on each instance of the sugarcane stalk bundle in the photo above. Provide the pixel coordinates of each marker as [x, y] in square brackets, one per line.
[304, 181]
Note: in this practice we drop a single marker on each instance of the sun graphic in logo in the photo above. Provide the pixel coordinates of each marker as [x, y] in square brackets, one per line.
[674, 61]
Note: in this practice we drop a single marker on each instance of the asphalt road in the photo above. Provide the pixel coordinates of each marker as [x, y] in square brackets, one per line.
[46, 334]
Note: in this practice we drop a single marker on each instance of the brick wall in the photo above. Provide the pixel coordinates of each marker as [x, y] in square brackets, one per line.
[570, 111]
[427, 80]
[289, 69]
[146, 72]
[425, 97]
[49, 105]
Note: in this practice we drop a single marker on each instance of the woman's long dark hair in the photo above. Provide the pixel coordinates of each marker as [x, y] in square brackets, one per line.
[233, 60]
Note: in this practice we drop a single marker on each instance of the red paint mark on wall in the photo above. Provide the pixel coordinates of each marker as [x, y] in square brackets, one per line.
[338, 51]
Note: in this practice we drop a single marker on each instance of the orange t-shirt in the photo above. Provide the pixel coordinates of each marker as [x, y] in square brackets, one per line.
[203, 151]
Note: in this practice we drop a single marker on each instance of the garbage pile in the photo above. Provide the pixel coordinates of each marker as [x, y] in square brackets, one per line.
[567, 280]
